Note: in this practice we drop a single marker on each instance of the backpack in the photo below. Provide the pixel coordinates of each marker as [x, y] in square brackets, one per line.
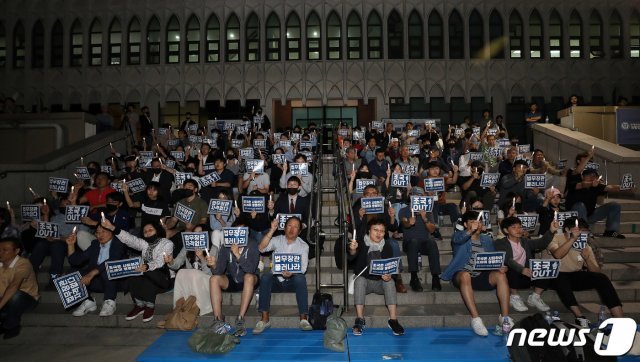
[184, 317]
[546, 352]
[320, 309]
[336, 331]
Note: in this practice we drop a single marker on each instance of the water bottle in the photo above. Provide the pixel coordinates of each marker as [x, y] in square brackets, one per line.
[419, 262]
[555, 315]
[602, 315]
[506, 329]
[548, 318]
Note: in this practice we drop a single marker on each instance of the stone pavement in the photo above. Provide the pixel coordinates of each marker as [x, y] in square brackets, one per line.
[77, 344]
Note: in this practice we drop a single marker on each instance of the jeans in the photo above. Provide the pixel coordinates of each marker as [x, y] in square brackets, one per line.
[269, 283]
[101, 284]
[427, 246]
[609, 211]
[11, 313]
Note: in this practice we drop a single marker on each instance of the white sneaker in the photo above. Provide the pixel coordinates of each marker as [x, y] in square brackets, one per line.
[108, 308]
[478, 327]
[305, 325]
[517, 303]
[85, 307]
[535, 300]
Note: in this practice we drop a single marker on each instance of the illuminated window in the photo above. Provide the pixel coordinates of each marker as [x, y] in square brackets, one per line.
[213, 39]
[173, 40]
[193, 40]
[232, 40]
[575, 35]
[293, 37]
[313, 37]
[273, 37]
[115, 42]
[77, 44]
[536, 36]
[515, 35]
[134, 43]
[555, 35]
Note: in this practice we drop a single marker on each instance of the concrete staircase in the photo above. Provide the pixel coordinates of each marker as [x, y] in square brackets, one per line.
[425, 309]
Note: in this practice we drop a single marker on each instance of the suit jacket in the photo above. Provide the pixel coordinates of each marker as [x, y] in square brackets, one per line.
[89, 258]
[302, 206]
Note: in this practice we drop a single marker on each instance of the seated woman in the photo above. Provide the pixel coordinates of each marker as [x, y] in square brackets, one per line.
[518, 251]
[572, 277]
[361, 252]
[218, 221]
[466, 244]
[156, 277]
[194, 277]
[235, 271]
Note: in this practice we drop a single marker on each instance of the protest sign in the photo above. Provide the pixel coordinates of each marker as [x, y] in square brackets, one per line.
[299, 169]
[235, 236]
[384, 266]
[282, 219]
[219, 206]
[529, 222]
[361, 183]
[124, 268]
[70, 289]
[47, 230]
[489, 260]
[73, 214]
[421, 203]
[184, 213]
[533, 181]
[57, 184]
[489, 179]
[193, 241]
[255, 166]
[30, 212]
[373, 205]
[291, 263]
[253, 203]
[544, 268]
[435, 184]
[136, 186]
[400, 180]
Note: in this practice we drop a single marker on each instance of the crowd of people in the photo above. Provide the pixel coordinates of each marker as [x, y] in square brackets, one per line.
[403, 161]
[190, 167]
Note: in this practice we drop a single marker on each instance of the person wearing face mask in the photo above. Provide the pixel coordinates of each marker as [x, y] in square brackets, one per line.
[151, 203]
[158, 174]
[306, 181]
[261, 121]
[363, 173]
[130, 171]
[291, 202]
[156, 277]
[184, 126]
[113, 211]
[188, 196]
[514, 182]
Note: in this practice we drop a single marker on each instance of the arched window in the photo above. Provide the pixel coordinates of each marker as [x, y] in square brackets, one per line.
[232, 40]
[416, 36]
[374, 36]
[173, 40]
[615, 35]
[18, 45]
[77, 42]
[595, 35]
[115, 42]
[634, 36]
[536, 35]
[153, 41]
[213, 39]
[134, 42]
[57, 45]
[354, 36]
[193, 40]
[496, 35]
[37, 45]
[575, 35]
[253, 38]
[394, 36]
[436, 36]
[456, 36]
[334, 37]
[293, 37]
[555, 35]
[515, 35]
[3, 46]
[476, 36]
[273, 37]
[95, 43]
[313, 37]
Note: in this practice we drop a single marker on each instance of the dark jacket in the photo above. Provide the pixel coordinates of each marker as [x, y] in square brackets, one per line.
[236, 268]
[89, 258]
[530, 247]
[362, 259]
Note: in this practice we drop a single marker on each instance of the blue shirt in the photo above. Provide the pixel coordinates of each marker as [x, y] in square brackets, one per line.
[104, 252]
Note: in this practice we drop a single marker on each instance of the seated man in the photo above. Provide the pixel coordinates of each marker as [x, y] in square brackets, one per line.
[417, 240]
[18, 287]
[90, 262]
[373, 246]
[235, 271]
[583, 198]
[573, 277]
[287, 282]
[466, 244]
[518, 251]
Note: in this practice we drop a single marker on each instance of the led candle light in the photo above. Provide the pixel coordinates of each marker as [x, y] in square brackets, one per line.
[75, 228]
[464, 204]
[45, 202]
[479, 216]
[81, 161]
[412, 213]
[8, 205]
[389, 204]
[513, 204]
[110, 145]
[32, 192]
[102, 215]
[576, 222]
[354, 233]
[235, 202]
[206, 251]
[555, 216]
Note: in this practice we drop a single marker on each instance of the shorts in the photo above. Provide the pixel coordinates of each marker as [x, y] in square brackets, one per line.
[233, 286]
[481, 282]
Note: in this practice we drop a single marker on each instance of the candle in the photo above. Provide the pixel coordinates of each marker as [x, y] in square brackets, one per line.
[206, 251]
[600, 178]
[45, 201]
[389, 204]
[270, 197]
[81, 161]
[354, 233]
[412, 213]
[555, 216]
[235, 203]
[464, 204]
[479, 216]
[75, 228]
[102, 215]
[110, 145]
[576, 222]
[353, 167]
[32, 192]
[8, 205]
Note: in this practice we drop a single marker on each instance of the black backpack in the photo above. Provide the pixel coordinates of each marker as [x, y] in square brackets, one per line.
[546, 352]
[321, 307]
